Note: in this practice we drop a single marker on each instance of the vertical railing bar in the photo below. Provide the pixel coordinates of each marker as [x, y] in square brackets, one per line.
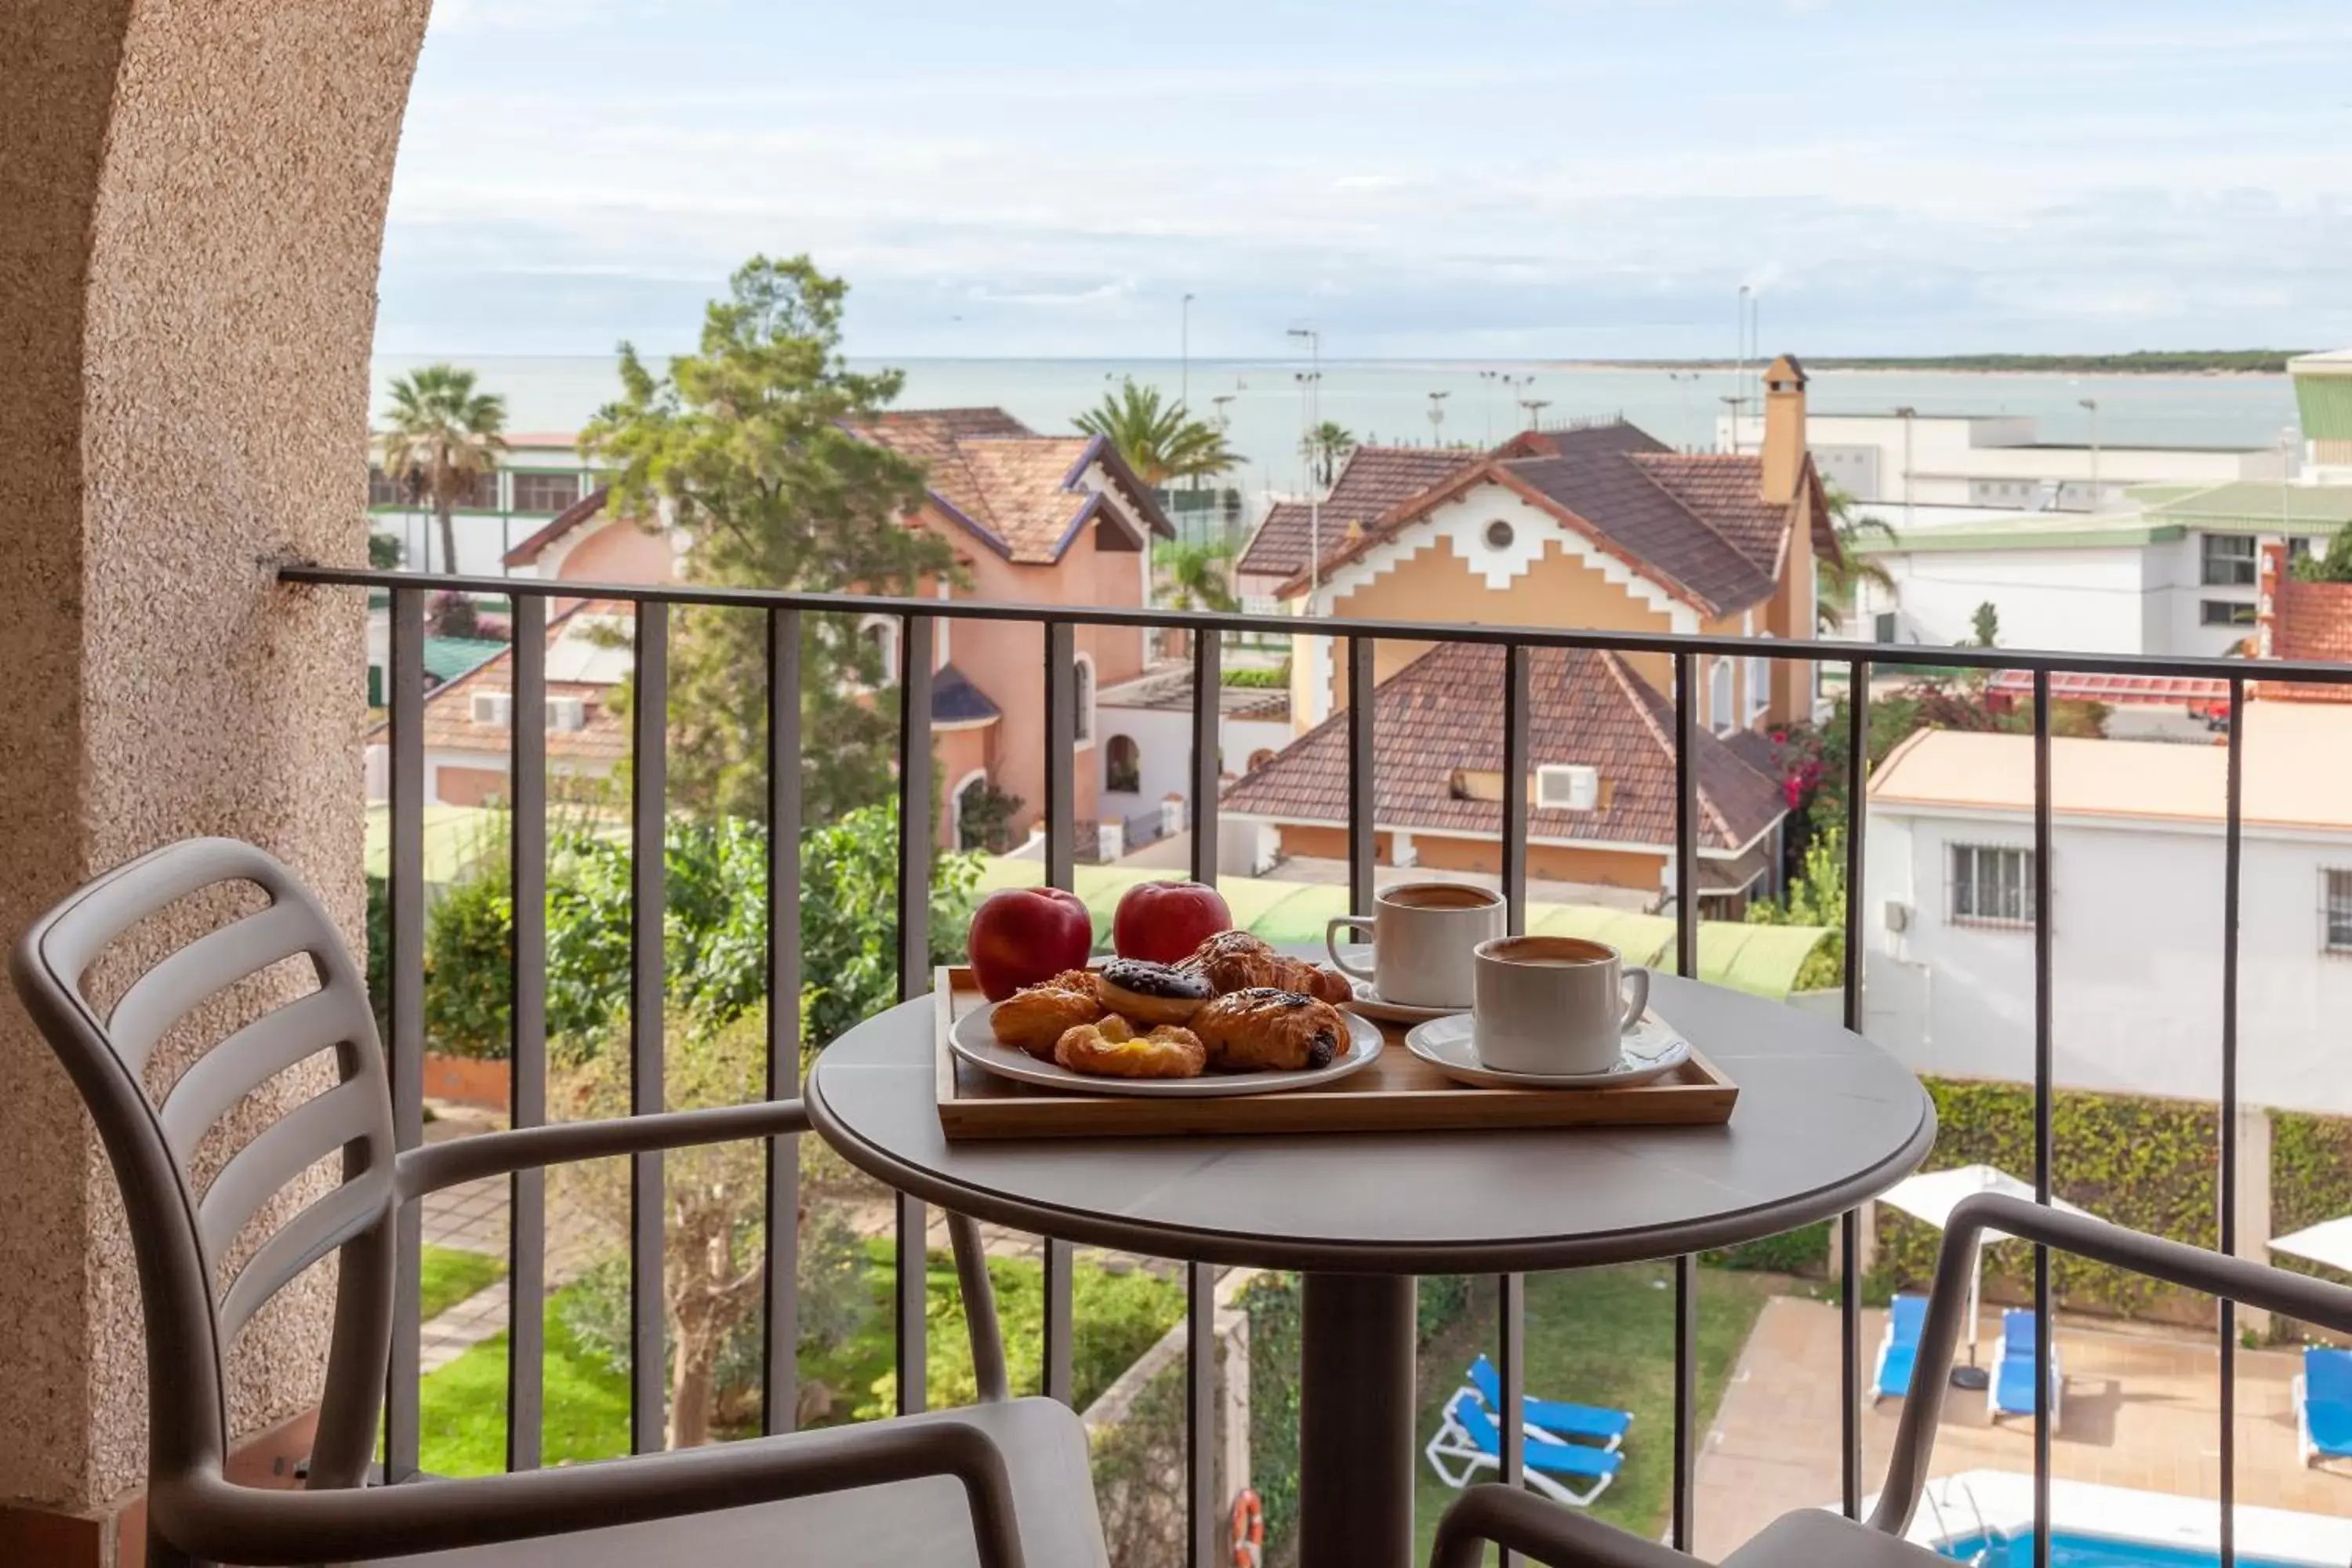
[405, 895]
[1199, 1279]
[1061, 804]
[915, 830]
[1362, 799]
[2043, 1147]
[1511, 1292]
[527, 1052]
[648, 891]
[1857, 818]
[1686, 965]
[2233, 850]
[779, 1325]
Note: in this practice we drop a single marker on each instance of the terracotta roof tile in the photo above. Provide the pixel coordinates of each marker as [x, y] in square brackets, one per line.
[449, 723]
[1443, 715]
[1726, 493]
[1373, 479]
[1019, 490]
[1621, 500]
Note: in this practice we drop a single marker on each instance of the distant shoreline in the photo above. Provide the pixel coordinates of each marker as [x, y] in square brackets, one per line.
[2221, 363]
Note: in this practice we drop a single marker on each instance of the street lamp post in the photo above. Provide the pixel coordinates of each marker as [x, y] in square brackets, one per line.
[1310, 384]
[1739, 375]
[1184, 353]
[2091, 403]
[1437, 418]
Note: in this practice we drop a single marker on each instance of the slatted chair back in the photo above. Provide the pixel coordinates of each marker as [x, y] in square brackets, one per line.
[194, 1307]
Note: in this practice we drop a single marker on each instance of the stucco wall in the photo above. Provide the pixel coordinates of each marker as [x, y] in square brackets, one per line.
[195, 194]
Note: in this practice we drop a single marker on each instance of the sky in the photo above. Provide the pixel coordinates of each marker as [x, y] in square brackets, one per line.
[1451, 179]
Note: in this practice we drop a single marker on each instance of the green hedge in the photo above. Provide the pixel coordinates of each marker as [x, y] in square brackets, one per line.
[1271, 1303]
[2141, 1161]
[1804, 1250]
[2310, 1179]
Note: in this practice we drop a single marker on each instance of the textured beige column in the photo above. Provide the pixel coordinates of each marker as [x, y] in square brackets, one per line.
[193, 196]
[2254, 1205]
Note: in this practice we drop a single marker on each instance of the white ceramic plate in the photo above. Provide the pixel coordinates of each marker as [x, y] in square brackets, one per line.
[976, 1043]
[1652, 1050]
[1369, 1001]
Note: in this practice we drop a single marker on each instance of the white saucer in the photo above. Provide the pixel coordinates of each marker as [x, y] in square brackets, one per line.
[975, 1042]
[1652, 1050]
[1372, 1004]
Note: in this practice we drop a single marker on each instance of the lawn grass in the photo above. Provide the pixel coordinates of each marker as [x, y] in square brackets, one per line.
[586, 1403]
[1604, 1336]
[451, 1274]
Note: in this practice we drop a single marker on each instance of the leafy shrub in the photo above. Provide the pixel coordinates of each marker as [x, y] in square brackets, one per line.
[1251, 676]
[1803, 1251]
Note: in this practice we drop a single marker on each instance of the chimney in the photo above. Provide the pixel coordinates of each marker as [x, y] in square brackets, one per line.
[1784, 429]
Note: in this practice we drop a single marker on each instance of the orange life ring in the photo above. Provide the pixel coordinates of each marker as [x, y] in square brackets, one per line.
[1249, 1530]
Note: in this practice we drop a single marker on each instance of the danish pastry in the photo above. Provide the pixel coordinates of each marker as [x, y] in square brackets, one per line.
[1150, 993]
[1237, 960]
[1081, 981]
[1263, 1027]
[1035, 1017]
[1113, 1049]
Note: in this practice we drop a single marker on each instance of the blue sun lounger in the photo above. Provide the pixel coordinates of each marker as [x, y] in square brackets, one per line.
[1906, 1315]
[1553, 1417]
[1468, 1442]
[2323, 1404]
[2011, 1391]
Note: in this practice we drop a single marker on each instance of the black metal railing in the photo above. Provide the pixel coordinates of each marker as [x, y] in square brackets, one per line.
[1359, 638]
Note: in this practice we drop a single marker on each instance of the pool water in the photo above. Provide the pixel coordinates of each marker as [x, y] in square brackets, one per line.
[2068, 1551]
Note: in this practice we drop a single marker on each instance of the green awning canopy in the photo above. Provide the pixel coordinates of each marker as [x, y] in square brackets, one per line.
[1760, 960]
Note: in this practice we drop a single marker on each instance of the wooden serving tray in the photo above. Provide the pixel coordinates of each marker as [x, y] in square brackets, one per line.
[1398, 1094]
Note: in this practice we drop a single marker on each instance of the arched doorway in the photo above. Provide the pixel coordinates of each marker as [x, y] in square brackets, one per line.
[1122, 765]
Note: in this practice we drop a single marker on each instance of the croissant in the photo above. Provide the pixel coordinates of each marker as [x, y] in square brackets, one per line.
[1236, 961]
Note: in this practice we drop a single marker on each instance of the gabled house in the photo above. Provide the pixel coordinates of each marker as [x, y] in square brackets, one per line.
[1600, 527]
[1373, 480]
[1054, 519]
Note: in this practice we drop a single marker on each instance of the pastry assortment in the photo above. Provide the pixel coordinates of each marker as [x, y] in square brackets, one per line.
[1230, 1004]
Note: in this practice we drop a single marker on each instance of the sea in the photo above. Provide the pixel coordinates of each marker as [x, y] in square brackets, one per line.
[1266, 403]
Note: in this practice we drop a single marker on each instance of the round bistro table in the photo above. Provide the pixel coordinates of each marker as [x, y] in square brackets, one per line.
[1824, 1120]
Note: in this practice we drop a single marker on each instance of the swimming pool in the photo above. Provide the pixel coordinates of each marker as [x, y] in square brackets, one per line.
[2073, 1551]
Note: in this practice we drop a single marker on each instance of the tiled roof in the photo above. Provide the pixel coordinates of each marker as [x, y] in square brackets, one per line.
[576, 515]
[1441, 716]
[2302, 620]
[449, 723]
[1696, 523]
[956, 701]
[1017, 490]
[1168, 688]
[1374, 479]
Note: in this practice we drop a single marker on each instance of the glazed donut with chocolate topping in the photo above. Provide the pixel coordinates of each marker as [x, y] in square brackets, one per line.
[1150, 993]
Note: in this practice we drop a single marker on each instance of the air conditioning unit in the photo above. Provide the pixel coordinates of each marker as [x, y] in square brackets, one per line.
[566, 713]
[1898, 917]
[1567, 786]
[494, 708]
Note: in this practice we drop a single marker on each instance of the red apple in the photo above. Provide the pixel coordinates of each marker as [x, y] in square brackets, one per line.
[1164, 922]
[1023, 936]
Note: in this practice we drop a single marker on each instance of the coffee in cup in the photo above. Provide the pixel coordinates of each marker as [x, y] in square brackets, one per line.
[1423, 937]
[1553, 1005]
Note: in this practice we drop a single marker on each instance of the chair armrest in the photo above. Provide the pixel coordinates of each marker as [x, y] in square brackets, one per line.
[1523, 1522]
[214, 1519]
[2173, 1262]
[436, 1165]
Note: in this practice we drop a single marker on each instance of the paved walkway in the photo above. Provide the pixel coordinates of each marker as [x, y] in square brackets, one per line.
[2140, 1408]
[472, 1217]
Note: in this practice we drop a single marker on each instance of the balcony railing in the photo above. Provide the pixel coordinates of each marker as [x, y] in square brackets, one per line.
[918, 619]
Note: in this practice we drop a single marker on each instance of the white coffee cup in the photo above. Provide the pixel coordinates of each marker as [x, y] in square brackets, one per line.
[1423, 934]
[1554, 1004]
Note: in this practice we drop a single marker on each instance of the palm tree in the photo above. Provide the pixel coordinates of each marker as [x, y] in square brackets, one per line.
[1160, 440]
[443, 436]
[1196, 574]
[1843, 571]
[1325, 448]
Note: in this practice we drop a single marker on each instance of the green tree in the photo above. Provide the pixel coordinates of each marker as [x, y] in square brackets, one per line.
[748, 447]
[1815, 897]
[1325, 447]
[2332, 565]
[384, 552]
[1158, 440]
[443, 434]
[1196, 573]
[1984, 625]
[1841, 572]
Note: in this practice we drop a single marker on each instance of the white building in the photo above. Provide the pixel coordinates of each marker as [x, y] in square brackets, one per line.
[2137, 880]
[1147, 751]
[2173, 574]
[539, 475]
[2323, 401]
[1995, 460]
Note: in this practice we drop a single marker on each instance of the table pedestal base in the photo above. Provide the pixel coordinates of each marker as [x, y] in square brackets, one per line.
[1355, 1422]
